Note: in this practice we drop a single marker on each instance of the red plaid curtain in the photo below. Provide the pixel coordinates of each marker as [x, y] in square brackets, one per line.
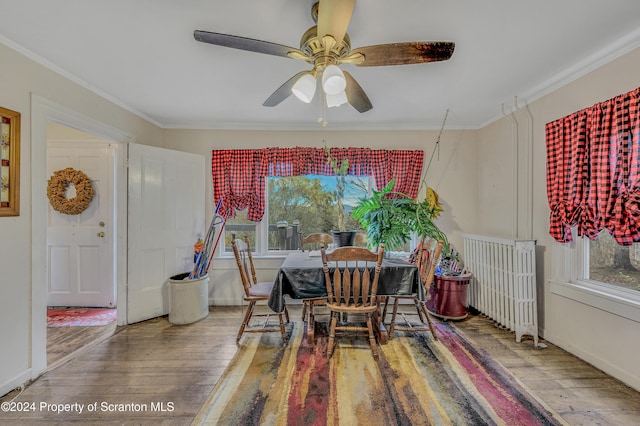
[593, 165]
[239, 175]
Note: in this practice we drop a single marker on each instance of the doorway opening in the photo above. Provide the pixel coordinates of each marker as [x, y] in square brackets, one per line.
[81, 259]
[159, 215]
[44, 112]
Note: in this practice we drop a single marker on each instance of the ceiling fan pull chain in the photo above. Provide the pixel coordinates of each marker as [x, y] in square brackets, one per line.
[322, 107]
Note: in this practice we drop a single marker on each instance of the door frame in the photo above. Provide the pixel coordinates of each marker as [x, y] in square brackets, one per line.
[43, 111]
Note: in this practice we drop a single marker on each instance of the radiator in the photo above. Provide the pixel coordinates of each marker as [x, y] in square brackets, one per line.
[503, 286]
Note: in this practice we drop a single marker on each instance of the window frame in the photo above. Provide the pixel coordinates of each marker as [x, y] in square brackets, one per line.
[569, 281]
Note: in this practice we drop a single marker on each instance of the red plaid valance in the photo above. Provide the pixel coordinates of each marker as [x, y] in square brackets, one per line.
[239, 175]
[593, 164]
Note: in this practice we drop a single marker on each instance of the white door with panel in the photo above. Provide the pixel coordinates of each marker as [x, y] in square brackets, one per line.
[166, 217]
[80, 253]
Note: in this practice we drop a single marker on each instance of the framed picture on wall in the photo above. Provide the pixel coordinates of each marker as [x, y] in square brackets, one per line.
[9, 162]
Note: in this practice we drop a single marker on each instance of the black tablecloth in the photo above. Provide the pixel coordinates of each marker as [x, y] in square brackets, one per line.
[301, 277]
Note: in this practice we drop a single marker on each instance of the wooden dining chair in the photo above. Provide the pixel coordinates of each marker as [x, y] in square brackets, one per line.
[352, 289]
[321, 240]
[318, 238]
[254, 292]
[360, 239]
[426, 260]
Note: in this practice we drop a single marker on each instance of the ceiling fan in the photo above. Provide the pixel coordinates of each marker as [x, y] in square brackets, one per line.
[327, 45]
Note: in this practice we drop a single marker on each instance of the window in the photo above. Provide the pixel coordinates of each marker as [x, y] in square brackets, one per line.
[295, 204]
[237, 228]
[574, 278]
[245, 180]
[593, 185]
[612, 264]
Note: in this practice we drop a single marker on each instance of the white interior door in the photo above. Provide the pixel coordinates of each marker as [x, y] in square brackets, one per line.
[166, 217]
[80, 253]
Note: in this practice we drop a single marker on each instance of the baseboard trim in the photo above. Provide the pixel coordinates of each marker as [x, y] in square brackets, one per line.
[14, 383]
[596, 361]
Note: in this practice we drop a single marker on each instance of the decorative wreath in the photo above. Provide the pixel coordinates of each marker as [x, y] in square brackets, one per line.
[57, 187]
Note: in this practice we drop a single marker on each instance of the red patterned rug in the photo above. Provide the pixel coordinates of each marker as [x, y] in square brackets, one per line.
[79, 317]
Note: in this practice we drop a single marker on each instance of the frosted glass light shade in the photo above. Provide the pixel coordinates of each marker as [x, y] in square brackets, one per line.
[337, 100]
[305, 88]
[333, 81]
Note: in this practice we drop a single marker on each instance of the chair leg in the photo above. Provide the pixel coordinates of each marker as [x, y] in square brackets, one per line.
[284, 334]
[372, 339]
[245, 320]
[304, 310]
[419, 309]
[332, 333]
[286, 313]
[384, 311]
[426, 314]
[392, 326]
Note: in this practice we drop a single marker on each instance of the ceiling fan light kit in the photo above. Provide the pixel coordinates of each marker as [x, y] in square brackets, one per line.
[333, 81]
[326, 46]
[305, 88]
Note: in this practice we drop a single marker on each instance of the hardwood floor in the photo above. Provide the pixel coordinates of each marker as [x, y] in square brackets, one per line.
[580, 393]
[64, 342]
[176, 367]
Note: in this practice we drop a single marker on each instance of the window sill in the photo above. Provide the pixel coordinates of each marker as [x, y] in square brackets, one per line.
[617, 302]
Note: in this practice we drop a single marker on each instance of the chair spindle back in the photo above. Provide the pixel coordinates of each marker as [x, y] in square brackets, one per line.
[242, 253]
[427, 260]
[317, 238]
[351, 283]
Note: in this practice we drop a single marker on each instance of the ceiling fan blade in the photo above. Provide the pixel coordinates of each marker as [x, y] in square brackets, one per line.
[244, 43]
[355, 95]
[334, 17]
[413, 52]
[283, 92]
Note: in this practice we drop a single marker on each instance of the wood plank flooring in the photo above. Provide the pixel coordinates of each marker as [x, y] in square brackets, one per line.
[63, 342]
[580, 393]
[162, 366]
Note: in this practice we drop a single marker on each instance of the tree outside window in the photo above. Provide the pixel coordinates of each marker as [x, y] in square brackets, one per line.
[614, 264]
[304, 204]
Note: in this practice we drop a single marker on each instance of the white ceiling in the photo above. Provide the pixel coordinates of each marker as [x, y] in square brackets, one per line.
[142, 55]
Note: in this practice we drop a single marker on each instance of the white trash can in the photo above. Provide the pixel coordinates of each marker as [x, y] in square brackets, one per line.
[188, 299]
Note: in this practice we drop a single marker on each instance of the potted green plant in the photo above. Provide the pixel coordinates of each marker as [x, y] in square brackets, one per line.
[384, 215]
[390, 217]
[341, 236]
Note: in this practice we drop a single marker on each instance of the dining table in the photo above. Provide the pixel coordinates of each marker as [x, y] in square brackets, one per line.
[301, 276]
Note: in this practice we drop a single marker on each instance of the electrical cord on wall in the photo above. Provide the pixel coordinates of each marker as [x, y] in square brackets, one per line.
[22, 388]
[436, 148]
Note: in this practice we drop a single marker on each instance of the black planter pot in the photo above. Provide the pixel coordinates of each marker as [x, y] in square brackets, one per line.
[343, 238]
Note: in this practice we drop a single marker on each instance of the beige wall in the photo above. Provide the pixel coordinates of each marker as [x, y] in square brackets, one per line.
[608, 341]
